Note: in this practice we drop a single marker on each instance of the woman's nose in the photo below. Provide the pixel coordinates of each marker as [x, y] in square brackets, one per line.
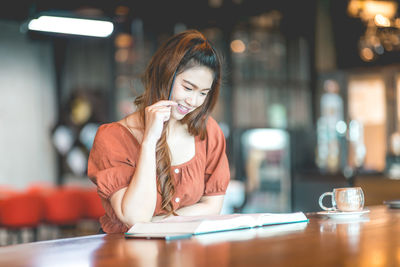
[191, 100]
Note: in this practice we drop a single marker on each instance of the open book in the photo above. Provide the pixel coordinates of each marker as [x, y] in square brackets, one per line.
[186, 226]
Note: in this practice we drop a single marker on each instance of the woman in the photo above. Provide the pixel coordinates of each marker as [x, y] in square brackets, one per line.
[168, 157]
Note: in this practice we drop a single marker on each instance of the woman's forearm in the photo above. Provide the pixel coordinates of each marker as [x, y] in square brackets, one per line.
[198, 209]
[206, 206]
[139, 201]
[193, 210]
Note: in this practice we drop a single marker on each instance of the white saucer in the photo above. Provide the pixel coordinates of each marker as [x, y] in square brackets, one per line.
[343, 214]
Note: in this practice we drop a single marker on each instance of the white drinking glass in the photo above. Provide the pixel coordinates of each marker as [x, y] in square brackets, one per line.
[344, 199]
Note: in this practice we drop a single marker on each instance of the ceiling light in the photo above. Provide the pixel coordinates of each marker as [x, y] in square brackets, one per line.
[381, 21]
[367, 9]
[76, 26]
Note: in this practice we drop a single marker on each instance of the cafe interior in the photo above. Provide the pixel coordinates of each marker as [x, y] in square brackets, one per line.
[310, 101]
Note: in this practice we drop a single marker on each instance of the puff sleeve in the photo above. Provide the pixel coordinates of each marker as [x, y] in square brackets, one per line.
[112, 159]
[217, 174]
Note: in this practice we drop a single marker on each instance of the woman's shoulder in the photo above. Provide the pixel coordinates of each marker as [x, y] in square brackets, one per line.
[215, 136]
[115, 133]
[110, 129]
[114, 140]
[121, 127]
[211, 122]
[213, 127]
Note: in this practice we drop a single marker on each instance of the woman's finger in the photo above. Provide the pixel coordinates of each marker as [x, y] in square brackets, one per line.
[160, 109]
[164, 103]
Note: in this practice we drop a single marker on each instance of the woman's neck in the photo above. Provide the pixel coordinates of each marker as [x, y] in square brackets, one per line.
[173, 124]
[176, 127]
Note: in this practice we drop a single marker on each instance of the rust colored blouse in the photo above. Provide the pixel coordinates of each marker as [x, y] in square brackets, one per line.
[112, 163]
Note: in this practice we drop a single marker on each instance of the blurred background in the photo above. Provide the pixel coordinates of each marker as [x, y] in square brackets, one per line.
[310, 101]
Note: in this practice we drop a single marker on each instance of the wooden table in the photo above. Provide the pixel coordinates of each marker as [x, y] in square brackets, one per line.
[372, 240]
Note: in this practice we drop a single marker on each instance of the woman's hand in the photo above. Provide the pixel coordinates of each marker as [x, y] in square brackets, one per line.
[155, 116]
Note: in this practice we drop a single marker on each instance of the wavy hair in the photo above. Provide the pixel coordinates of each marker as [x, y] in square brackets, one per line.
[179, 53]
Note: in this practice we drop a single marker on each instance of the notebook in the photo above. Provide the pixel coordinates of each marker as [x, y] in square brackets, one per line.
[178, 227]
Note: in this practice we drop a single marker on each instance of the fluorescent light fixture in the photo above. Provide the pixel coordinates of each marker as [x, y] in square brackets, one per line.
[266, 139]
[87, 27]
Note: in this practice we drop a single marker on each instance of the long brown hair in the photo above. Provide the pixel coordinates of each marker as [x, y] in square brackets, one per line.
[179, 53]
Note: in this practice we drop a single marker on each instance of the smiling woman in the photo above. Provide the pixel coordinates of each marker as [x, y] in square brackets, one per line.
[190, 90]
[168, 157]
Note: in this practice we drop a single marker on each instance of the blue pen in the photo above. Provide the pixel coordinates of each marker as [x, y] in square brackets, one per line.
[172, 85]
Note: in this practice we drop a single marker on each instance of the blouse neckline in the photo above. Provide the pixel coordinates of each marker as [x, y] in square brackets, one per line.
[196, 148]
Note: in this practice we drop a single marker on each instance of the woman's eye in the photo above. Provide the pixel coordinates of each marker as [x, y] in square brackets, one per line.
[203, 94]
[187, 88]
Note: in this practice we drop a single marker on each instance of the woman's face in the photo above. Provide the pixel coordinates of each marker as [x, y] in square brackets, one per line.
[190, 90]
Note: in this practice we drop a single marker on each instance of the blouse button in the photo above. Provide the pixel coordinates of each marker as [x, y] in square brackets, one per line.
[177, 200]
[176, 170]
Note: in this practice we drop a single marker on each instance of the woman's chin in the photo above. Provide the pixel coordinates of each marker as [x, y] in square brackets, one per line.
[177, 117]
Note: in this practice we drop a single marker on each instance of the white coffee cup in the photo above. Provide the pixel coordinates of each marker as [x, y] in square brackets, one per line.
[344, 199]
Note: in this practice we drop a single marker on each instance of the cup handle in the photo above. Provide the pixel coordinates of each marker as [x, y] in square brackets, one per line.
[322, 197]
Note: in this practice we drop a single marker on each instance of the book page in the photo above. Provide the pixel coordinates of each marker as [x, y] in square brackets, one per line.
[236, 221]
[195, 224]
[214, 223]
[198, 218]
[278, 218]
[164, 228]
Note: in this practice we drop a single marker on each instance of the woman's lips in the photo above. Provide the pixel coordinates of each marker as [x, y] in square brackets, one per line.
[182, 109]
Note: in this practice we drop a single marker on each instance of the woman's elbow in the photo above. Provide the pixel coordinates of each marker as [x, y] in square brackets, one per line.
[130, 218]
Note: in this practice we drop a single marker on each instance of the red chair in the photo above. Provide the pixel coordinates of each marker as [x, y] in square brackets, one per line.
[63, 209]
[19, 211]
[6, 191]
[63, 206]
[41, 188]
[92, 203]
